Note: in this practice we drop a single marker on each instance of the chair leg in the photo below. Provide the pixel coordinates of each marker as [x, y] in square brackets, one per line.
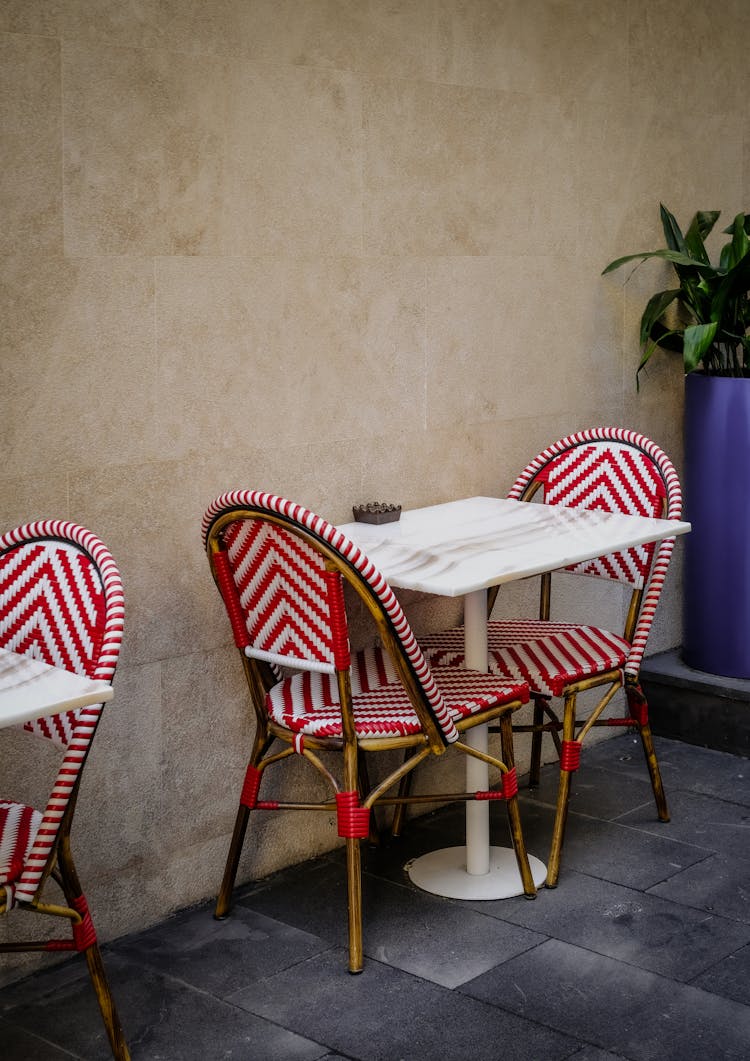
[354, 894]
[655, 774]
[399, 814]
[638, 707]
[224, 900]
[568, 764]
[106, 1004]
[536, 744]
[373, 838]
[514, 814]
[353, 831]
[71, 887]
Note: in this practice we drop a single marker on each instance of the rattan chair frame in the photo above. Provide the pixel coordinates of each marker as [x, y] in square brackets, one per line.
[564, 725]
[51, 856]
[343, 558]
[570, 729]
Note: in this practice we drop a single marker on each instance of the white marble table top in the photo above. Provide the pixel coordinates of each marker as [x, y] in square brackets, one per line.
[463, 546]
[31, 689]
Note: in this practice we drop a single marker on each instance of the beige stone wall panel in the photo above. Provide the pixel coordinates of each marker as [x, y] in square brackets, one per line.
[571, 48]
[144, 176]
[268, 352]
[454, 170]
[30, 142]
[78, 362]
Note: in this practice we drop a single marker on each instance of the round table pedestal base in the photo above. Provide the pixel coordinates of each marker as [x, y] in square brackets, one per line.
[444, 873]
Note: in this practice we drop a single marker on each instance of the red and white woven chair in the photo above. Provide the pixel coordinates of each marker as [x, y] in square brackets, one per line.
[612, 470]
[61, 602]
[281, 572]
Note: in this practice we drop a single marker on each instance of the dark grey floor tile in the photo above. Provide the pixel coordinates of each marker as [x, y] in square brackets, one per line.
[593, 1053]
[595, 790]
[385, 1014]
[718, 884]
[221, 956]
[621, 1009]
[704, 821]
[610, 850]
[16, 1044]
[643, 930]
[704, 770]
[683, 766]
[163, 1020]
[46, 982]
[446, 828]
[407, 928]
[729, 978]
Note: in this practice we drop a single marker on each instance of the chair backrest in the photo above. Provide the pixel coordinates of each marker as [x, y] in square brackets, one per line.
[61, 602]
[279, 569]
[613, 470]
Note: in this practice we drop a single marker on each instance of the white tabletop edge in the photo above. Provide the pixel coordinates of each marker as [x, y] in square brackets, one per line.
[31, 689]
[496, 540]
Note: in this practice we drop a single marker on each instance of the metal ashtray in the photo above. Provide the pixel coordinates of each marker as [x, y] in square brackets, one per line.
[376, 512]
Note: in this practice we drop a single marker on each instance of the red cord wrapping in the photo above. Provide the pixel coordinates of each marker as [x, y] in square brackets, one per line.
[84, 933]
[353, 820]
[508, 789]
[510, 784]
[570, 755]
[249, 797]
[637, 704]
[337, 614]
[231, 598]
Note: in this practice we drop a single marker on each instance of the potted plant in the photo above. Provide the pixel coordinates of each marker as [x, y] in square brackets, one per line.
[706, 319]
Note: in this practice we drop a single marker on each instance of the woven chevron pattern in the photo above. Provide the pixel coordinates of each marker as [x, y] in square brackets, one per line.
[19, 825]
[309, 703]
[61, 601]
[547, 655]
[610, 477]
[283, 592]
[257, 504]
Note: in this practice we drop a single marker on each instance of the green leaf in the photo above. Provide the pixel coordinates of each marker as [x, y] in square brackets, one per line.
[700, 227]
[697, 339]
[655, 308]
[734, 251]
[745, 224]
[672, 232]
[675, 257]
[668, 340]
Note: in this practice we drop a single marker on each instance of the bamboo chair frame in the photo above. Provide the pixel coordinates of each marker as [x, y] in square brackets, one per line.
[51, 857]
[565, 727]
[353, 799]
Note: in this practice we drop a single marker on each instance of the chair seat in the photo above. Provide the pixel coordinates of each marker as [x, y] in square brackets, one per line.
[18, 828]
[308, 702]
[547, 655]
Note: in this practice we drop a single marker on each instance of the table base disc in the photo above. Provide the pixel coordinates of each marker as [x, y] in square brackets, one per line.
[444, 873]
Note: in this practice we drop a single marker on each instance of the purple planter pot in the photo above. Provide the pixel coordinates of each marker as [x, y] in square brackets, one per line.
[716, 635]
